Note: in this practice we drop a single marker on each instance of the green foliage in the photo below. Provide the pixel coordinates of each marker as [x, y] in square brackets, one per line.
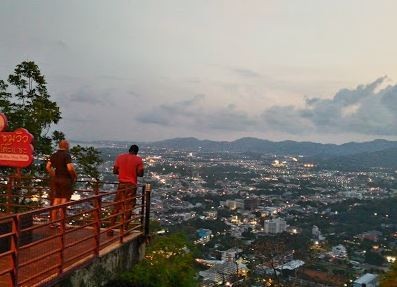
[168, 263]
[57, 136]
[374, 258]
[154, 226]
[390, 278]
[354, 218]
[25, 101]
[88, 159]
[29, 105]
[248, 234]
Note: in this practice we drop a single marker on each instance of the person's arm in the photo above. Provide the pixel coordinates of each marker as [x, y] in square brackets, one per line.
[72, 171]
[115, 169]
[140, 170]
[116, 166]
[49, 169]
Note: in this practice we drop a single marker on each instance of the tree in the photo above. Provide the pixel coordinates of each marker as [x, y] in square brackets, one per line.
[27, 104]
[88, 159]
[270, 251]
[374, 258]
[168, 263]
[273, 251]
[390, 278]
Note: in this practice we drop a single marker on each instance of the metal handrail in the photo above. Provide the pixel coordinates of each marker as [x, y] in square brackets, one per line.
[92, 213]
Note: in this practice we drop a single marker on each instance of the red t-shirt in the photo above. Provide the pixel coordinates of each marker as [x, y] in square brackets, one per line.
[128, 166]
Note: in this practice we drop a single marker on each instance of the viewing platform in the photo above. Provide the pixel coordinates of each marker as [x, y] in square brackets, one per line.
[37, 252]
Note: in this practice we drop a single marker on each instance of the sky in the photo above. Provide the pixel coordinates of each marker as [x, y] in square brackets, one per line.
[308, 70]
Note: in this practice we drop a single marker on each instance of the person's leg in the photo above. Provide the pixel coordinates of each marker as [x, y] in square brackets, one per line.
[61, 211]
[68, 189]
[51, 194]
[130, 200]
[54, 198]
[63, 192]
[116, 205]
[55, 212]
[129, 204]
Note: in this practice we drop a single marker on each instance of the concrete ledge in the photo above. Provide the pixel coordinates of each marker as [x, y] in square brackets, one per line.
[118, 258]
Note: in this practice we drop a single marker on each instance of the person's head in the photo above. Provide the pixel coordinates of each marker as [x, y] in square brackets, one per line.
[64, 144]
[134, 149]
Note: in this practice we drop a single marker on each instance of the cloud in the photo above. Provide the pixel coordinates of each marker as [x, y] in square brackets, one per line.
[171, 114]
[246, 73]
[61, 44]
[193, 113]
[286, 119]
[368, 110]
[88, 95]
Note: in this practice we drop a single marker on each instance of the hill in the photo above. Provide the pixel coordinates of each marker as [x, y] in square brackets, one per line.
[270, 147]
[379, 159]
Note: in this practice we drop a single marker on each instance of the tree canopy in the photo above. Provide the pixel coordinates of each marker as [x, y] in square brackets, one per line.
[168, 263]
[390, 278]
[25, 100]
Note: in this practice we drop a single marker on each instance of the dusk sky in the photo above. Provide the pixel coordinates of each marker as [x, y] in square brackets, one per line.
[307, 70]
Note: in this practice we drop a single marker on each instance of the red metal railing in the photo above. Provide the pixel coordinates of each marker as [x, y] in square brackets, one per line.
[35, 252]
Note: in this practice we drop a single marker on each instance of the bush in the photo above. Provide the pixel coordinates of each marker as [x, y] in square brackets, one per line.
[168, 263]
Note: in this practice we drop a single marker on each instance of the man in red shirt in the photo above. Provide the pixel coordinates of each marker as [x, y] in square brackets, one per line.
[128, 166]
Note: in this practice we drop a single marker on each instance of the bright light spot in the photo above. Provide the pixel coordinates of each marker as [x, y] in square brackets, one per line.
[391, 259]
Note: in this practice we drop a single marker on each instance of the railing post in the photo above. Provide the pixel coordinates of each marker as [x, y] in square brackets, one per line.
[148, 190]
[10, 184]
[14, 248]
[142, 212]
[96, 187]
[63, 227]
[97, 217]
[123, 212]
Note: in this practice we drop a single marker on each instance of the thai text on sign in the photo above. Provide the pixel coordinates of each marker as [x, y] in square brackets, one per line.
[16, 148]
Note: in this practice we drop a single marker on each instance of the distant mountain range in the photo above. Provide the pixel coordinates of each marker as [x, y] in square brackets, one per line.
[269, 147]
[352, 155]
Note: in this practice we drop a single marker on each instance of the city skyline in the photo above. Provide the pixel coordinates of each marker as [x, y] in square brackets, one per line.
[219, 70]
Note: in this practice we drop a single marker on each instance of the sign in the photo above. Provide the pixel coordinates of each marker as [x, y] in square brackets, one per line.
[3, 122]
[16, 148]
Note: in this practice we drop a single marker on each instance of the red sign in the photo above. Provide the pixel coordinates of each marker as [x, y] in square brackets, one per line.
[3, 122]
[16, 148]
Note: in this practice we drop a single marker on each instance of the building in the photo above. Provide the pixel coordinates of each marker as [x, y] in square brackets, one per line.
[234, 204]
[277, 225]
[204, 235]
[367, 280]
[371, 235]
[316, 233]
[220, 273]
[251, 203]
[212, 214]
[339, 251]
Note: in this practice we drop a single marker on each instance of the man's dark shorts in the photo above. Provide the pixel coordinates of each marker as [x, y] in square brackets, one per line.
[62, 187]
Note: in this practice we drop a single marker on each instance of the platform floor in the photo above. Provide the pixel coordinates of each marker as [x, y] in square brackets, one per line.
[78, 250]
